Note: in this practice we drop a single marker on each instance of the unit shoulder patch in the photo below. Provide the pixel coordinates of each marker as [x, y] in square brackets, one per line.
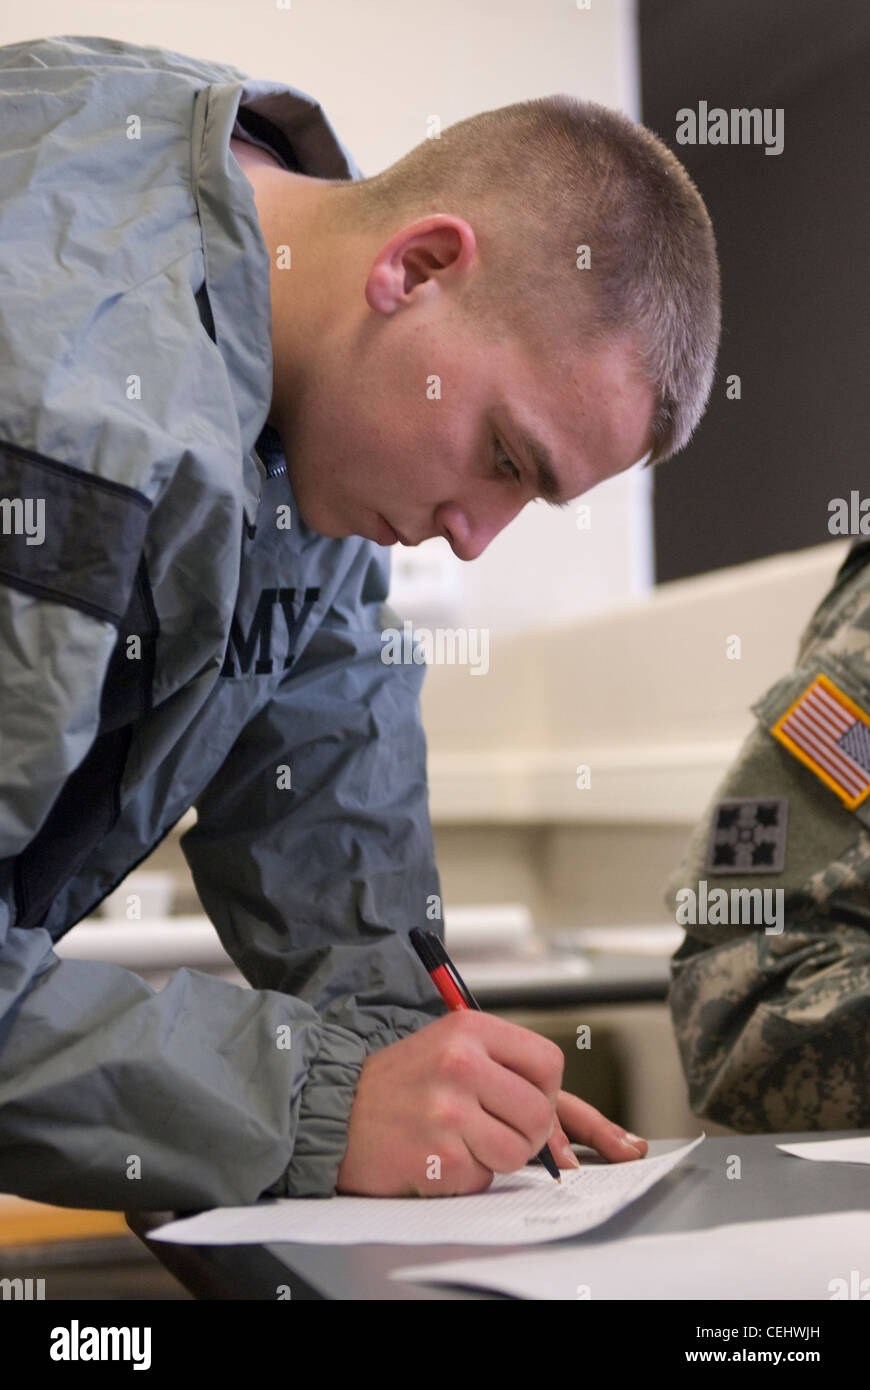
[748, 836]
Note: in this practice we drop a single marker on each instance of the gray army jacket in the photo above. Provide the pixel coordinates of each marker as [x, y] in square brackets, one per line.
[771, 1006]
[166, 641]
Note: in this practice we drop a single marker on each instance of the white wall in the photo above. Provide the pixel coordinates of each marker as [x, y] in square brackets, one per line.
[379, 70]
[646, 696]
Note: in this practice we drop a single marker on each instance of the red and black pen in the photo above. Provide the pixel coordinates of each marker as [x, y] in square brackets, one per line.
[456, 995]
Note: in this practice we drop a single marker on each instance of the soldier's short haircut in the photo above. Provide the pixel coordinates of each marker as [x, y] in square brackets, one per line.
[541, 178]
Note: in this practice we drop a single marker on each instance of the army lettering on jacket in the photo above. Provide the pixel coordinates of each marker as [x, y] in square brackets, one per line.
[772, 1010]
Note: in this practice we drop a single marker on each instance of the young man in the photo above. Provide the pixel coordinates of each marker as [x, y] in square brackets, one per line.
[219, 409]
[773, 1020]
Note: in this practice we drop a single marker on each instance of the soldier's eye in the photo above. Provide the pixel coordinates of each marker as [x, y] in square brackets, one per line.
[502, 459]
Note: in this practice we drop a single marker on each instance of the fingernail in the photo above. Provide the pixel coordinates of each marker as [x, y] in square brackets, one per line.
[570, 1157]
[634, 1138]
[627, 1141]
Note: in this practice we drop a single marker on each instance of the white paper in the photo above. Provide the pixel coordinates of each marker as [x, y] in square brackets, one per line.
[803, 1257]
[832, 1150]
[523, 1208]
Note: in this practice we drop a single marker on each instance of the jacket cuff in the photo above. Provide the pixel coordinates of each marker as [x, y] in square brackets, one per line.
[324, 1115]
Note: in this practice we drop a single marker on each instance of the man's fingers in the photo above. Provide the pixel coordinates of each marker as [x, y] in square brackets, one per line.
[586, 1125]
[560, 1147]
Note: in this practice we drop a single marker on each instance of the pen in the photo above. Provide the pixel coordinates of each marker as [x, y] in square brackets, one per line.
[442, 959]
[456, 995]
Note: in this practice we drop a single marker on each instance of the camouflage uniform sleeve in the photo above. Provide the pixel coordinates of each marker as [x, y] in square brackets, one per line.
[770, 990]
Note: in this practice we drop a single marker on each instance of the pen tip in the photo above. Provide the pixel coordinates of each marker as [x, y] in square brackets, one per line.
[559, 1178]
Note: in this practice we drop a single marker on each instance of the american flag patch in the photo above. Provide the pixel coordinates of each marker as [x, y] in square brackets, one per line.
[831, 735]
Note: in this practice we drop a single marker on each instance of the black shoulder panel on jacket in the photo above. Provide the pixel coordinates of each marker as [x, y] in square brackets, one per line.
[68, 536]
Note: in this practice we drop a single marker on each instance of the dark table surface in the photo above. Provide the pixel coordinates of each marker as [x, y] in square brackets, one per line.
[693, 1196]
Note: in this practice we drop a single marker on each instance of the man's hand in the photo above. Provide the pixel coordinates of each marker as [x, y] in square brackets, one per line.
[586, 1125]
[441, 1111]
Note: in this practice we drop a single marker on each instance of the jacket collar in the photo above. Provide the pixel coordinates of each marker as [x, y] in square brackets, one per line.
[237, 262]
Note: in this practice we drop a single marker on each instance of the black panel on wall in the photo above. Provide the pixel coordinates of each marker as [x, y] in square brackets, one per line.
[793, 232]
